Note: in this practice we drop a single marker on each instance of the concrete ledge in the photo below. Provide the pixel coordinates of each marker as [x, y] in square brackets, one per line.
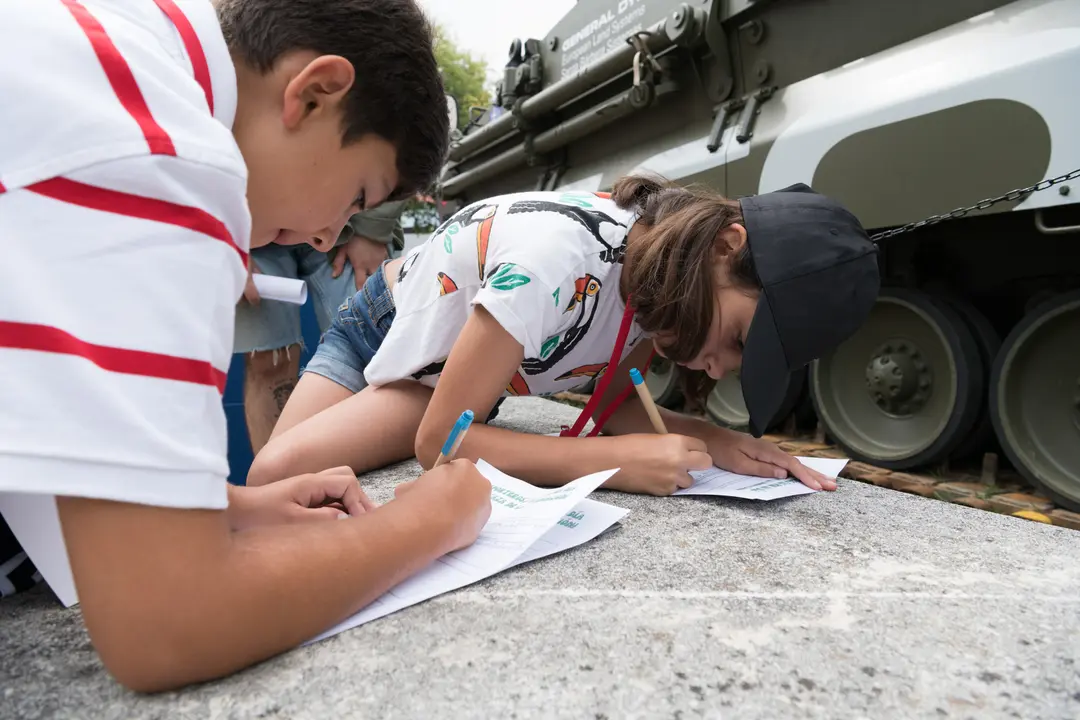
[863, 603]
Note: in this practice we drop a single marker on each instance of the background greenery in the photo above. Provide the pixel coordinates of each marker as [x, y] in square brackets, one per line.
[463, 75]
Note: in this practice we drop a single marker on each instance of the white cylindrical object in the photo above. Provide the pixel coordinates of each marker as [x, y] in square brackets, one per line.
[272, 287]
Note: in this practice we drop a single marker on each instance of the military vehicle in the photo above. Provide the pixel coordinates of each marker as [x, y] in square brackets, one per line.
[948, 128]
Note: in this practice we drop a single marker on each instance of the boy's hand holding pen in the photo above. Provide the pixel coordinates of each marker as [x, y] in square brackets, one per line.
[456, 487]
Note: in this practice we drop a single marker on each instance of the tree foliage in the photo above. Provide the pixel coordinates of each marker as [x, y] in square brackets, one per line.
[463, 75]
[423, 215]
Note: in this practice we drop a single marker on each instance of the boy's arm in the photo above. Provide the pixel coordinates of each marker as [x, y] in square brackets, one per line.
[326, 495]
[120, 335]
[172, 597]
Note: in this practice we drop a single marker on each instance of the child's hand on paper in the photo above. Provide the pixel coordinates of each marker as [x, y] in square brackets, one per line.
[456, 492]
[658, 464]
[329, 495]
[746, 455]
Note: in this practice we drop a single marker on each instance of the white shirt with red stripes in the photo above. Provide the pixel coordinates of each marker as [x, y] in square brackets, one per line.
[124, 228]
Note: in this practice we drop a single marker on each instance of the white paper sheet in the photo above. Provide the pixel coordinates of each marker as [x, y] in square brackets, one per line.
[587, 521]
[36, 525]
[526, 523]
[727, 484]
[272, 287]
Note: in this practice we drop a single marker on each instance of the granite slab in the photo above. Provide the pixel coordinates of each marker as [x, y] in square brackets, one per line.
[864, 603]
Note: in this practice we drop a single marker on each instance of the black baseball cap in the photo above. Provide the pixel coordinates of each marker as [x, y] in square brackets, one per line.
[819, 277]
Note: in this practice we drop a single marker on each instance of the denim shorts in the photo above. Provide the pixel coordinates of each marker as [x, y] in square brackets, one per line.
[274, 325]
[356, 334]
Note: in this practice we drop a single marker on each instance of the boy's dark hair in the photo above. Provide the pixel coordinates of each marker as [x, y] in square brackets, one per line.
[398, 92]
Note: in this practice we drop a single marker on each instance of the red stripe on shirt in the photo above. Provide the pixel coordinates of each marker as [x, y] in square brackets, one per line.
[137, 206]
[42, 338]
[2, 188]
[194, 48]
[122, 80]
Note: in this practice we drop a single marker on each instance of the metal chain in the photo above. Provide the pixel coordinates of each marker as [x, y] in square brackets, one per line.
[981, 205]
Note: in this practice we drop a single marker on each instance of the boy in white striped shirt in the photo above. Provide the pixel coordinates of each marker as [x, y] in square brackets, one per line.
[145, 147]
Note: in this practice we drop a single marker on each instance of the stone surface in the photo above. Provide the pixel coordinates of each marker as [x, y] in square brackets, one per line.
[864, 603]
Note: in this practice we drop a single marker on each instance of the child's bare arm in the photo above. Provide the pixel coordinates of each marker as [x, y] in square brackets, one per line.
[479, 367]
[172, 597]
[483, 360]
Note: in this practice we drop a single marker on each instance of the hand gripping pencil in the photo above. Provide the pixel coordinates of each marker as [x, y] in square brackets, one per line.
[453, 440]
[647, 401]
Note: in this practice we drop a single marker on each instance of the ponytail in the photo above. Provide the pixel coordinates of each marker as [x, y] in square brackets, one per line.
[635, 190]
[641, 193]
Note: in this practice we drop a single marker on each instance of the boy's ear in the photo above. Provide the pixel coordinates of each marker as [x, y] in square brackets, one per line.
[318, 88]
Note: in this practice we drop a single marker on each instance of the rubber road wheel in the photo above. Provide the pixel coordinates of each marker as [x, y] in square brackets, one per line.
[904, 391]
[988, 342]
[1035, 398]
[726, 407]
[725, 403]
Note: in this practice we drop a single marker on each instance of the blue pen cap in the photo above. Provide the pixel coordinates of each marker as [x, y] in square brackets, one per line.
[635, 376]
[462, 422]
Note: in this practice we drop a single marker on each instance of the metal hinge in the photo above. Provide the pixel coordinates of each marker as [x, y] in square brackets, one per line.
[749, 108]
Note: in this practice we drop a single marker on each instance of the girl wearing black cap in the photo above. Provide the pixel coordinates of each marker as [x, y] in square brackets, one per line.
[536, 293]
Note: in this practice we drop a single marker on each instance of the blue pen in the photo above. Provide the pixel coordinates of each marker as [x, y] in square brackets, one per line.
[647, 401]
[453, 440]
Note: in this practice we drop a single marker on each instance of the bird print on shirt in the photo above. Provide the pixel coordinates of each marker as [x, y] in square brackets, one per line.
[517, 386]
[434, 368]
[581, 308]
[483, 235]
[584, 302]
[446, 284]
[584, 371]
[406, 266]
[591, 220]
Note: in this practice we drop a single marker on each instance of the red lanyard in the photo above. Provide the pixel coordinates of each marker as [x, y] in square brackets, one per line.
[605, 380]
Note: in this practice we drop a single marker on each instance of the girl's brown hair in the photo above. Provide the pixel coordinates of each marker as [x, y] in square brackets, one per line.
[671, 268]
